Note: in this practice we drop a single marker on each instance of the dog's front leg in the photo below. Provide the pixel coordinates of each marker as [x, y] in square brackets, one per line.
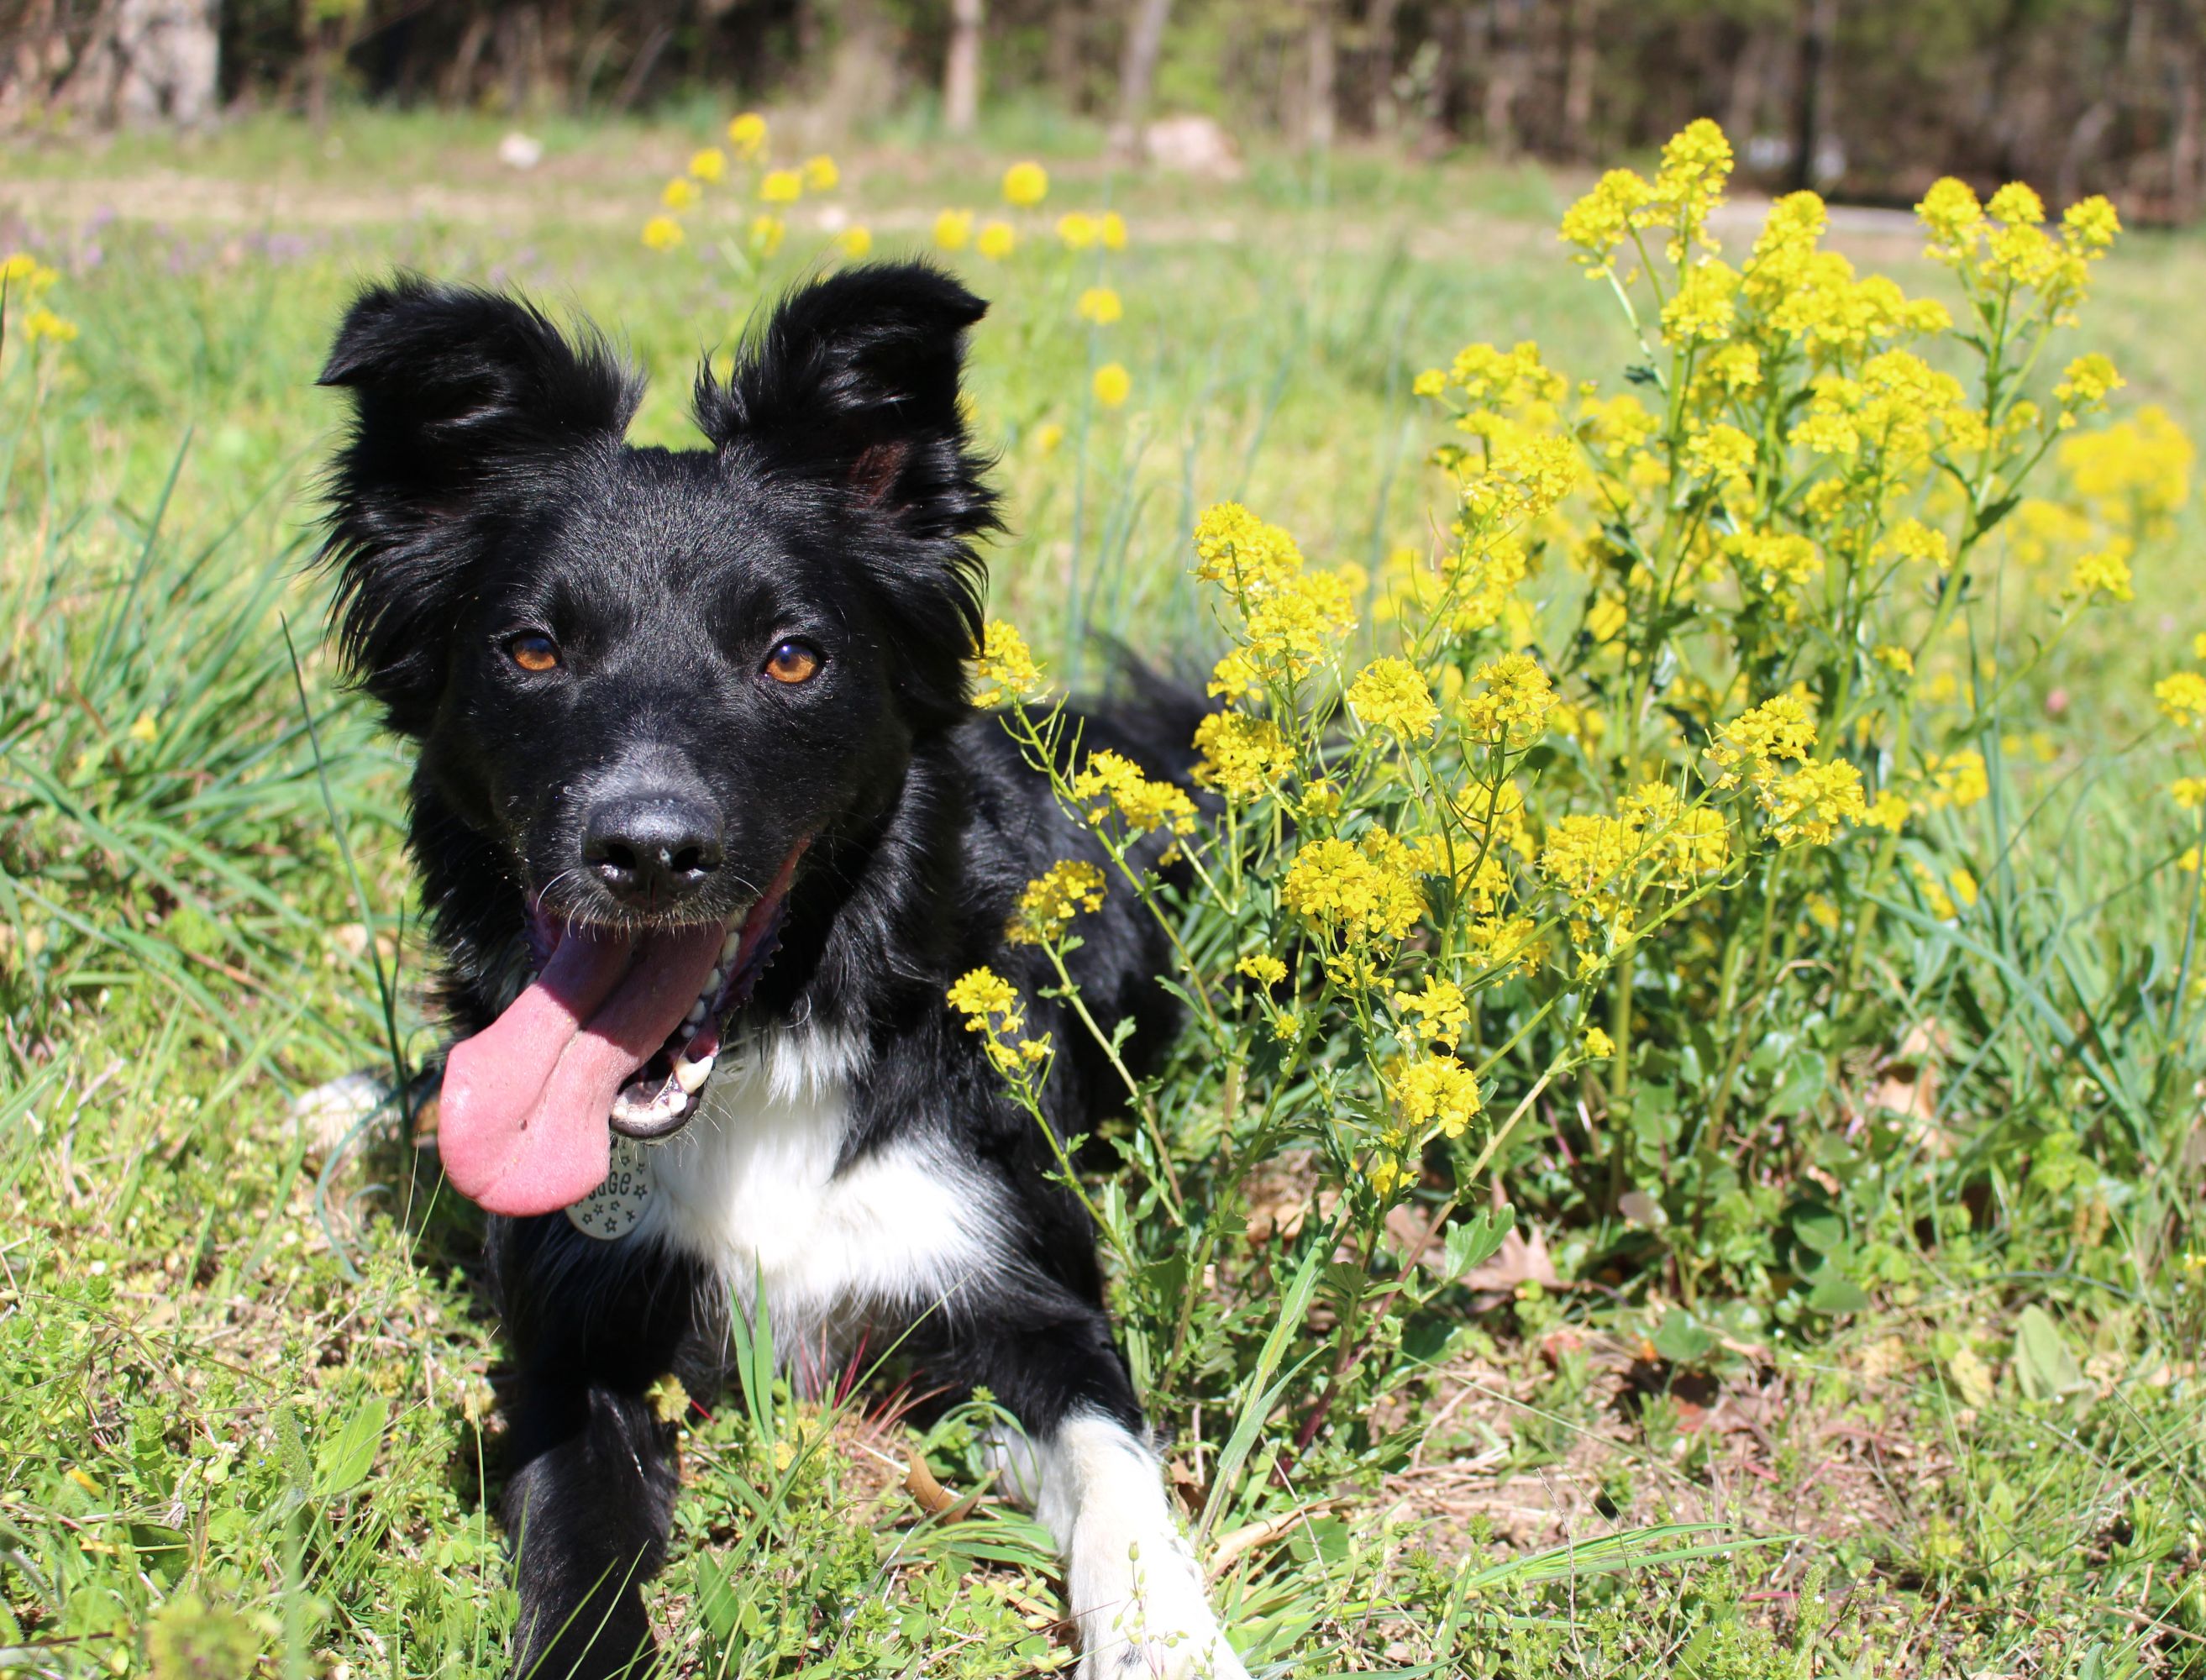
[1085, 1467]
[593, 1470]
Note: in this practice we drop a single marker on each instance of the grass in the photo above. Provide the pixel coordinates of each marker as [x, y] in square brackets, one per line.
[247, 1423]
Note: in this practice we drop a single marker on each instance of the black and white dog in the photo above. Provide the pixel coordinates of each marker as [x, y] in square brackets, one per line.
[706, 824]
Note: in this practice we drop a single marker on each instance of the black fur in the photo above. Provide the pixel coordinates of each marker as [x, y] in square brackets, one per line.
[486, 490]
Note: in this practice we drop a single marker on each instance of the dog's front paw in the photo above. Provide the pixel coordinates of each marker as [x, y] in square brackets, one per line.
[1145, 1617]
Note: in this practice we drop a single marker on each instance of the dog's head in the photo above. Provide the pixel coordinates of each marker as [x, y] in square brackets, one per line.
[649, 679]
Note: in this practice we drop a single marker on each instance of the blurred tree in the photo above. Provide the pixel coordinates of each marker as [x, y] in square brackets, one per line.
[961, 69]
[1868, 97]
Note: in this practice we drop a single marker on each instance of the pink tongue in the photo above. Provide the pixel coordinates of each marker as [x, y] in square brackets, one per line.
[522, 1125]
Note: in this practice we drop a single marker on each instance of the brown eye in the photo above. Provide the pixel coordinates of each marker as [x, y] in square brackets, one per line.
[534, 653]
[793, 662]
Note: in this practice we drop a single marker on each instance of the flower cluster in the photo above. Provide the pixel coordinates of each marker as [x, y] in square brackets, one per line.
[989, 1005]
[775, 191]
[1048, 903]
[1112, 789]
[1005, 670]
[24, 283]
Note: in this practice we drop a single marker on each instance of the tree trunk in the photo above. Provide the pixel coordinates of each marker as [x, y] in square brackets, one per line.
[1580, 69]
[148, 62]
[1505, 74]
[961, 69]
[2185, 139]
[1322, 67]
[1379, 55]
[1818, 28]
[861, 74]
[1137, 71]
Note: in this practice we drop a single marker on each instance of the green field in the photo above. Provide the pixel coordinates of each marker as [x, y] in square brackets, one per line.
[247, 1418]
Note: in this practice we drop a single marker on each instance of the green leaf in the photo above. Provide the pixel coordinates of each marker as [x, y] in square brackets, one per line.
[1997, 511]
[1477, 1239]
[2042, 1362]
[346, 1457]
[1816, 1227]
[1682, 1341]
[1836, 1293]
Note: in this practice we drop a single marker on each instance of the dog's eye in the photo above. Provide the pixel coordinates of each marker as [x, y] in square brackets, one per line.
[793, 662]
[533, 652]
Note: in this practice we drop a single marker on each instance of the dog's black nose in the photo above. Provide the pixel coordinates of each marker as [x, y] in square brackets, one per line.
[652, 849]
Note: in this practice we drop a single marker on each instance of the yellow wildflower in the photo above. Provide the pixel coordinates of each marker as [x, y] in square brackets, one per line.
[767, 233]
[1113, 384]
[1911, 540]
[1720, 451]
[746, 134]
[981, 993]
[2016, 202]
[662, 233]
[1955, 221]
[1959, 780]
[1604, 219]
[1100, 305]
[1241, 757]
[2189, 792]
[1051, 900]
[856, 243]
[996, 240]
[1392, 695]
[1810, 802]
[1511, 710]
[1006, 669]
[1235, 548]
[2103, 572]
[1113, 228]
[709, 164]
[781, 186]
[1442, 1010]
[1597, 1045]
[1386, 1174]
[1110, 782]
[1702, 309]
[1356, 892]
[679, 194]
[1775, 559]
[1077, 228]
[953, 230]
[2087, 382]
[821, 175]
[1435, 1090]
[1025, 185]
[2182, 697]
[1779, 727]
[1264, 969]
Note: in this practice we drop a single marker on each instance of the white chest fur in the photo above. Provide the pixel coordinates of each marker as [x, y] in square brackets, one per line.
[751, 1187]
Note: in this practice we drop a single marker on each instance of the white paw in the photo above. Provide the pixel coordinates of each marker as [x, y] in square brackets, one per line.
[1143, 1615]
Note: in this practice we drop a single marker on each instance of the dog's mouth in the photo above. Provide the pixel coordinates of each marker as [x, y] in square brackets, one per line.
[617, 1033]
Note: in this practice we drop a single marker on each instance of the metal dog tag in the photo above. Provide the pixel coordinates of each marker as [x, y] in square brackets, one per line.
[614, 1209]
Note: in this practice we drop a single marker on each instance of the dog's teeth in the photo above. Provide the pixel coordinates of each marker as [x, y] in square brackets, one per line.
[696, 1014]
[712, 982]
[729, 946]
[691, 1076]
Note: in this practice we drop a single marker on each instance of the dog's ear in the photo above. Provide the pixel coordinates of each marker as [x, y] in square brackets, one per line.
[855, 377]
[853, 382]
[462, 401]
